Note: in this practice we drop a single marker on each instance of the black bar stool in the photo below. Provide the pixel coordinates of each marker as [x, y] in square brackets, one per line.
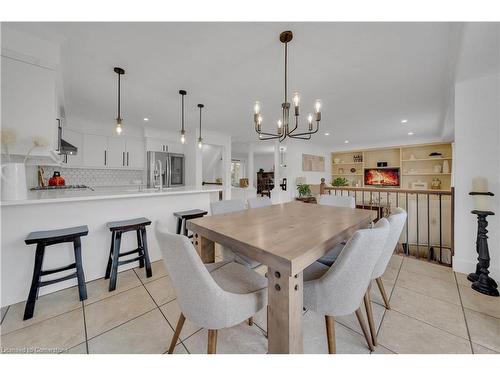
[117, 228]
[53, 237]
[182, 216]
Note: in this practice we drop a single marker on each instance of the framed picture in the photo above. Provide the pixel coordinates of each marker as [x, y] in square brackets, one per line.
[313, 163]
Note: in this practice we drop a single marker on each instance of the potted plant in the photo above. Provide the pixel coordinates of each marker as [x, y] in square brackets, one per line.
[304, 190]
[340, 181]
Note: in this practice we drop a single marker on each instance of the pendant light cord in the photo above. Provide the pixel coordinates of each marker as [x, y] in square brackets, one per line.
[119, 95]
[182, 113]
[200, 122]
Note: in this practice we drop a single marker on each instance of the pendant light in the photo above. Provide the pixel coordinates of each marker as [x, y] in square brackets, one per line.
[200, 139]
[119, 119]
[183, 132]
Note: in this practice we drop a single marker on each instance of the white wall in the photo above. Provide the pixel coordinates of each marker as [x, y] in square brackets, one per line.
[264, 161]
[212, 163]
[477, 154]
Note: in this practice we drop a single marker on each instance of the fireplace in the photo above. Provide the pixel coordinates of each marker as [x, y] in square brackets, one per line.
[382, 177]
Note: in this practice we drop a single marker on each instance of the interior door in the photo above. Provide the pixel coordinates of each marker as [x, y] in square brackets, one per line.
[116, 152]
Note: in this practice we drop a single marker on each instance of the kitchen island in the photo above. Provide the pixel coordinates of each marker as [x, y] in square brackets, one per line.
[47, 210]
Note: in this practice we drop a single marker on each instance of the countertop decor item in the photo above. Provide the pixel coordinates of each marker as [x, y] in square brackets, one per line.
[119, 119]
[57, 179]
[200, 139]
[283, 124]
[183, 132]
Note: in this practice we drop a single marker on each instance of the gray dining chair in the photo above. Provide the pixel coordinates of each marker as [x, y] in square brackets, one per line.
[340, 289]
[335, 201]
[226, 207]
[259, 202]
[212, 296]
[397, 222]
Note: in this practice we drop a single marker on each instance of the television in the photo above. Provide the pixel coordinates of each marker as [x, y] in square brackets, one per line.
[382, 177]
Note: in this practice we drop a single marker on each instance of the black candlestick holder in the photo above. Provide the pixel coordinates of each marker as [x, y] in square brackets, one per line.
[481, 282]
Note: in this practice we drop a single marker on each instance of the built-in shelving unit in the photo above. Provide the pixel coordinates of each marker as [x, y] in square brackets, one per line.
[416, 166]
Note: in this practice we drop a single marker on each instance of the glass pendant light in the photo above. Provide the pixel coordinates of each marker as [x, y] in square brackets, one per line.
[183, 132]
[200, 139]
[119, 119]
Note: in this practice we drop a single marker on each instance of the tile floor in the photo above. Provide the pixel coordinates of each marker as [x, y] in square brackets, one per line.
[433, 311]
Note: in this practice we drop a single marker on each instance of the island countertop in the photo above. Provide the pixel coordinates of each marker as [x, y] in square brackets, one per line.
[98, 193]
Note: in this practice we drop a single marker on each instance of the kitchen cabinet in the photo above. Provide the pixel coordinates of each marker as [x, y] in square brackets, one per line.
[95, 150]
[76, 139]
[135, 153]
[163, 145]
[29, 105]
[116, 152]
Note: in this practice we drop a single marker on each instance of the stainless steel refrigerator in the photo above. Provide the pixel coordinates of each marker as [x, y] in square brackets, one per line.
[165, 168]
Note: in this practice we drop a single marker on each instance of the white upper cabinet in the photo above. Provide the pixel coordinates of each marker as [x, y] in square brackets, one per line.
[135, 153]
[95, 150]
[163, 145]
[29, 105]
[76, 139]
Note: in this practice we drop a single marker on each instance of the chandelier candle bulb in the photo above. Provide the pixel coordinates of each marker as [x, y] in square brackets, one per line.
[256, 108]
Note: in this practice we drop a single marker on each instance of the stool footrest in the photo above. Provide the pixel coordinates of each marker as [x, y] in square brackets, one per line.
[64, 278]
[138, 250]
[56, 270]
[122, 262]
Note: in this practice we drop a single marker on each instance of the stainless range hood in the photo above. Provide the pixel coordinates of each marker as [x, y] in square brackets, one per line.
[63, 147]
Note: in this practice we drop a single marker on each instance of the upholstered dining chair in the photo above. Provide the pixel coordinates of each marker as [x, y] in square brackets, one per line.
[212, 296]
[226, 207]
[259, 202]
[339, 290]
[335, 201]
[397, 222]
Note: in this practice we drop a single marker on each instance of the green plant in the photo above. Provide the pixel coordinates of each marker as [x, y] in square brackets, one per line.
[340, 181]
[304, 190]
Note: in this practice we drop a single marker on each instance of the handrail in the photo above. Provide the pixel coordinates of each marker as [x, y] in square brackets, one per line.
[323, 188]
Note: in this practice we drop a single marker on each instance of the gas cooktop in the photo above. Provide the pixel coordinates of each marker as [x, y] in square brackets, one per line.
[61, 187]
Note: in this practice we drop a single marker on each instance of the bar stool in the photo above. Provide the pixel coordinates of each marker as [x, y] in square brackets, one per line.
[43, 239]
[182, 216]
[117, 228]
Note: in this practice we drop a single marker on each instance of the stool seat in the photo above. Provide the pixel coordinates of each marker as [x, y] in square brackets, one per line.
[190, 214]
[57, 235]
[126, 225]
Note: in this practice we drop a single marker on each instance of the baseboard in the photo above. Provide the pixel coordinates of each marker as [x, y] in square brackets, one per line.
[463, 266]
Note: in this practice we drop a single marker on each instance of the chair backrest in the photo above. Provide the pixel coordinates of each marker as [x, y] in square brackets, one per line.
[225, 207]
[337, 201]
[259, 202]
[200, 298]
[397, 221]
[341, 289]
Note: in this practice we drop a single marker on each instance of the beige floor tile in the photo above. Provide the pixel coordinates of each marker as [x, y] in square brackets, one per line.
[478, 349]
[423, 267]
[47, 306]
[483, 329]
[462, 279]
[479, 302]
[172, 312]
[52, 335]
[161, 290]
[352, 322]
[390, 274]
[406, 335]
[113, 311]
[158, 269]
[99, 289]
[347, 341]
[429, 286]
[180, 349]
[79, 349]
[375, 292]
[396, 261]
[440, 314]
[241, 339]
[146, 334]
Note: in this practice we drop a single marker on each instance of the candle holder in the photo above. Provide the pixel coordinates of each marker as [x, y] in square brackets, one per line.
[481, 282]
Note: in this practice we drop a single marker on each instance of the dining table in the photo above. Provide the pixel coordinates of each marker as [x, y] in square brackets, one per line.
[287, 238]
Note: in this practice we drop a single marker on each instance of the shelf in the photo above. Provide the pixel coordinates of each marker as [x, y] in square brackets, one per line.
[343, 163]
[427, 159]
[426, 174]
[391, 167]
[347, 174]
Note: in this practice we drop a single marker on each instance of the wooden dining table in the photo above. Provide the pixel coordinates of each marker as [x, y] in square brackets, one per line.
[286, 238]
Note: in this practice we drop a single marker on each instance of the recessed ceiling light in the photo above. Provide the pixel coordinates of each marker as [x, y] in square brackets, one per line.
[327, 133]
[410, 133]
[146, 119]
[346, 141]
[404, 121]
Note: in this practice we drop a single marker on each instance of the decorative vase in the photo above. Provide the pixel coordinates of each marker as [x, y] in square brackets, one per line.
[14, 182]
[446, 166]
[437, 168]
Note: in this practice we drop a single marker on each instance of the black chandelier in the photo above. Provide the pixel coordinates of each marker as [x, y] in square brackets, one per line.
[283, 124]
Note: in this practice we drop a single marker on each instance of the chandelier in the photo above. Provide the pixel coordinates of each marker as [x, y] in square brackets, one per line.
[283, 124]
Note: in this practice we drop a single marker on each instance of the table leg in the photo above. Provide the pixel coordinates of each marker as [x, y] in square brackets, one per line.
[285, 317]
[205, 248]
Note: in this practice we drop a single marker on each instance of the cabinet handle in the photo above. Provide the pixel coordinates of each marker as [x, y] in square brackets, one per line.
[123, 158]
[105, 158]
[127, 159]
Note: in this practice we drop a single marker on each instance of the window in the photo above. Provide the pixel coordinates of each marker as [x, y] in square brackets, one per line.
[237, 172]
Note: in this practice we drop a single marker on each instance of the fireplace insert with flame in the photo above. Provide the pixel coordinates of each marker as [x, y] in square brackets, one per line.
[382, 177]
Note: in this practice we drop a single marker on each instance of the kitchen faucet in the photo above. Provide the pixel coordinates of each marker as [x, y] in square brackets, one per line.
[157, 174]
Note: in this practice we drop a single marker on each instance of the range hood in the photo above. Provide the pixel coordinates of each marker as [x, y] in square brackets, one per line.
[64, 147]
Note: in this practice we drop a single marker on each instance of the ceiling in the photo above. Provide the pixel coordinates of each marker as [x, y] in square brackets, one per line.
[369, 76]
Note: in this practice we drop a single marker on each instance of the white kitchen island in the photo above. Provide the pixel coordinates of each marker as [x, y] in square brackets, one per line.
[47, 210]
